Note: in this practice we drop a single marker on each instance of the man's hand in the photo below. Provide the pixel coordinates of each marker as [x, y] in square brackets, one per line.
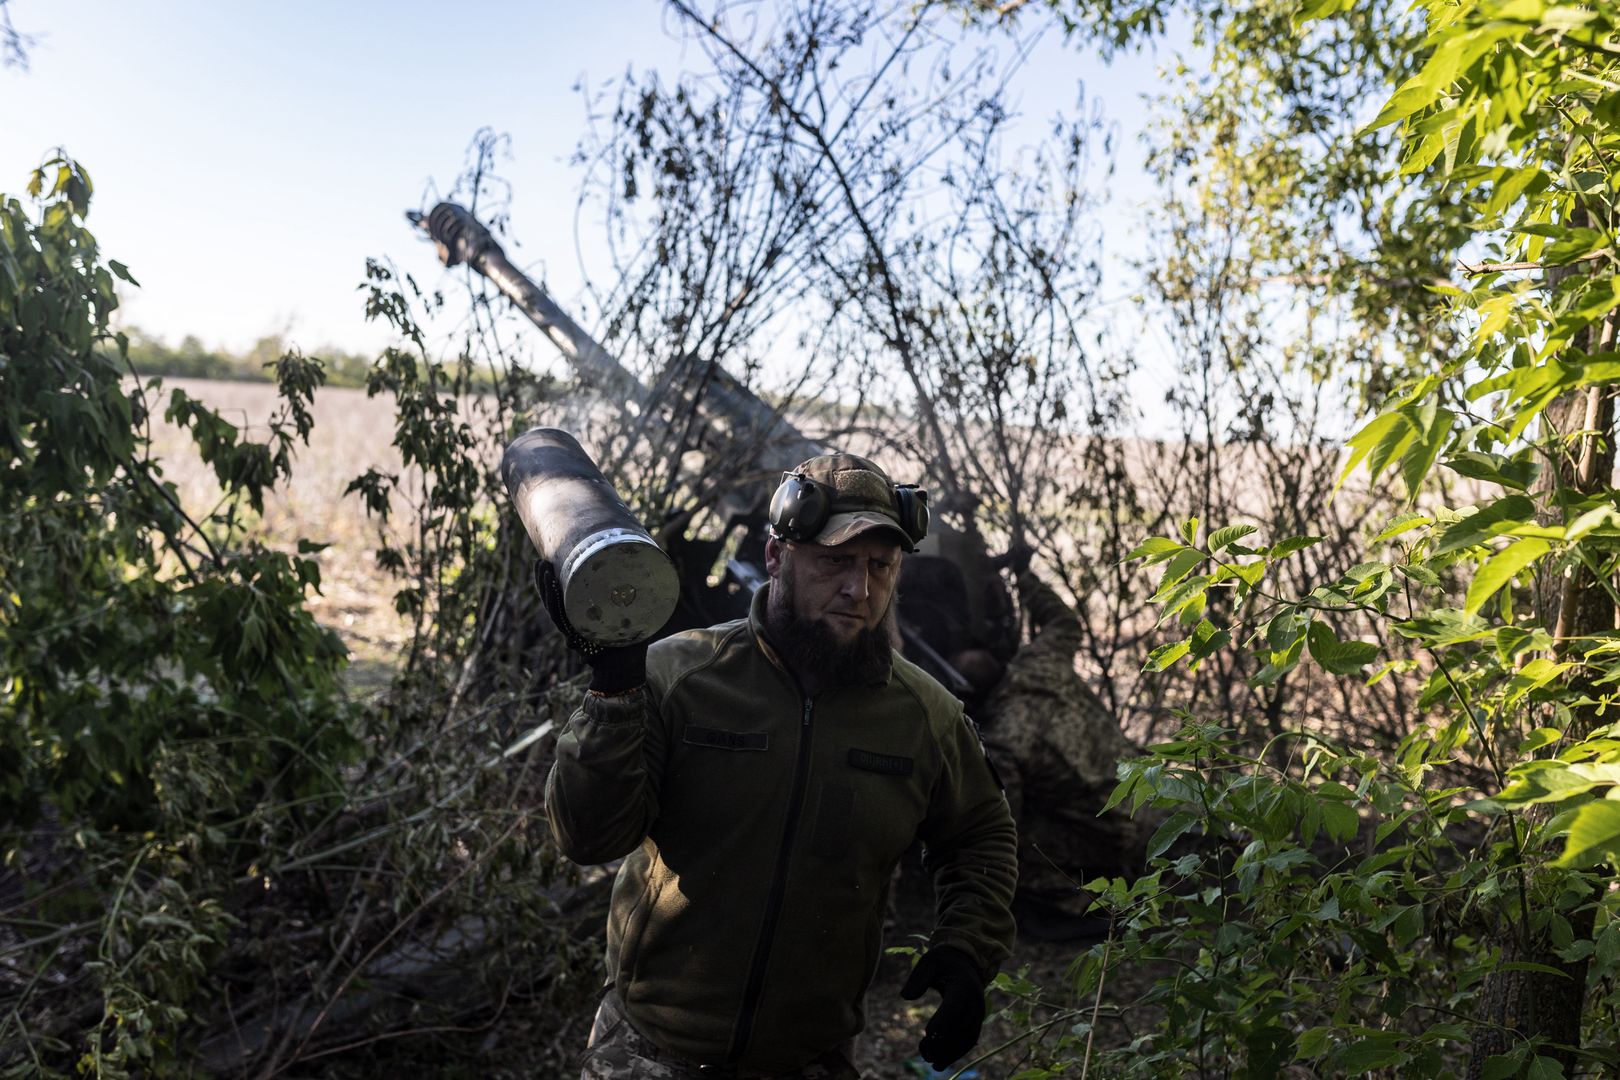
[954, 1027]
[614, 669]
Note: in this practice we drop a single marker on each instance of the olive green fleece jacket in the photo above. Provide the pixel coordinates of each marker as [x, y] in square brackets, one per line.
[761, 830]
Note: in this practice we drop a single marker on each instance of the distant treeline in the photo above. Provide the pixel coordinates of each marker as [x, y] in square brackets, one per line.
[191, 359]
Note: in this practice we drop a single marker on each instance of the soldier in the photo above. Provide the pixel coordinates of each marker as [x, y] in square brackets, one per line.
[762, 778]
[1055, 746]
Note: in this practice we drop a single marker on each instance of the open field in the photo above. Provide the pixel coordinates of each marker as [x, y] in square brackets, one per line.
[352, 433]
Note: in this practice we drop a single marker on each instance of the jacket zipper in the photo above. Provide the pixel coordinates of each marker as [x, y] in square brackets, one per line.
[773, 902]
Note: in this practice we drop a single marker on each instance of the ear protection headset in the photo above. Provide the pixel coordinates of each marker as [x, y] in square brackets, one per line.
[801, 506]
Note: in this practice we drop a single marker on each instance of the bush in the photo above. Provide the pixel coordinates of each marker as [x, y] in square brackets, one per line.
[213, 856]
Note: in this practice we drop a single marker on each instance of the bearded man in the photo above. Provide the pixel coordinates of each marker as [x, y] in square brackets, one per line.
[762, 779]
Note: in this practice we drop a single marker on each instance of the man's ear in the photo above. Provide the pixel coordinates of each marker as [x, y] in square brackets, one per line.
[775, 551]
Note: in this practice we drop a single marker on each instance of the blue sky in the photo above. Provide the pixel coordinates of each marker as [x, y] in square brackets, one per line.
[248, 157]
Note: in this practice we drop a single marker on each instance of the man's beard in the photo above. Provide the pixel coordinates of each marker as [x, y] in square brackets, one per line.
[811, 647]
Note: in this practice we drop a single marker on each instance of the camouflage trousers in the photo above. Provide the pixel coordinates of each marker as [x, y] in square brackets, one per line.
[617, 1051]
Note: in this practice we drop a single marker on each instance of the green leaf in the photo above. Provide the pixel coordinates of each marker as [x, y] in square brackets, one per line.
[1164, 656]
[1411, 434]
[1153, 545]
[1500, 569]
[1339, 820]
[1503, 1066]
[1435, 431]
[1250, 573]
[1179, 566]
[1388, 667]
[1339, 657]
[1191, 611]
[1375, 432]
[1189, 530]
[1408, 925]
[1367, 581]
[1291, 544]
[1405, 101]
[1514, 472]
[1544, 782]
[1597, 298]
[1313, 1043]
[1513, 640]
[1594, 835]
[1206, 639]
[1608, 946]
[1401, 523]
[1542, 736]
[1545, 1068]
[1312, 10]
[1532, 676]
[1394, 444]
[1539, 969]
[1444, 626]
[1595, 371]
[1168, 833]
[1286, 629]
[1486, 520]
[1372, 1052]
[1593, 519]
[1383, 831]
[1279, 663]
[1574, 244]
[1220, 538]
[1511, 186]
[1180, 596]
[1121, 791]
[1419, 573]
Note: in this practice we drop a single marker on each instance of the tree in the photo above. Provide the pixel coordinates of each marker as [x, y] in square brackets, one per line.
[131, 634]
[14, 44]
[1512, 107]
[215, 855]
[1505, 113]
[816, 196]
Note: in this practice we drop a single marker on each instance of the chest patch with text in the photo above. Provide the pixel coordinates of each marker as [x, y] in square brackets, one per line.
[888, 764]
[716, 739]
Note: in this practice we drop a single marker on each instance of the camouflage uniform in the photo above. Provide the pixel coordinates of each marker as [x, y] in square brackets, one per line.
[617, 1051]
[1056, 747]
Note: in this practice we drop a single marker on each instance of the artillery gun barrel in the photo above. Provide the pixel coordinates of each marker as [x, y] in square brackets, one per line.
[462, 238]
[726, 404]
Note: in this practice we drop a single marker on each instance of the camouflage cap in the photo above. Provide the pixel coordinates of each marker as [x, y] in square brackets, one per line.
[863, 498]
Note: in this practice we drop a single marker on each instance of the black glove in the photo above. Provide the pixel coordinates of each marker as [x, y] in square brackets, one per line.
[954, 1027]
[614, 668]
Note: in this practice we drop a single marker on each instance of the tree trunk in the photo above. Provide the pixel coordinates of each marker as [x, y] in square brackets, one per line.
[1517, 1005]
